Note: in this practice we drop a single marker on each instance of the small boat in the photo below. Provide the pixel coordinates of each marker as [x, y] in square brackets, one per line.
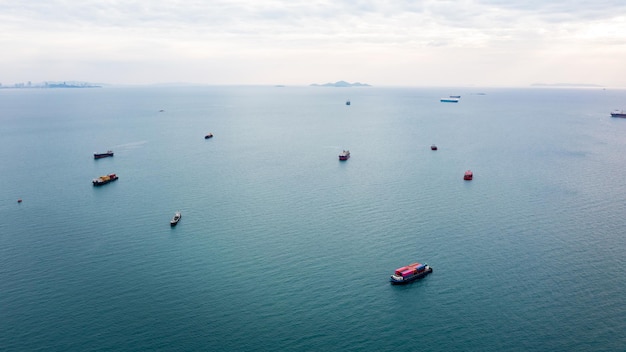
[209, 135]
[103, 180]
[348, 102]
[103, 155]
[433, 147]
[455, 96]
[468, 175]
[449, 100]
[175, 219]
[345, 155]
[618, 113]
[410, 273]
[19, 200]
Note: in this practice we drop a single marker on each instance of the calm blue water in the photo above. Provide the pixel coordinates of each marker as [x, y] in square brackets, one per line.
[283, 248]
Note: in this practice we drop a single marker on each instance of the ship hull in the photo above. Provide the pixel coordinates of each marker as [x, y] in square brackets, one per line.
[100, 156]
[101, 183]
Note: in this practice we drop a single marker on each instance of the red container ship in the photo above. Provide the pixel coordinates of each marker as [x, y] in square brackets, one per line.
[410, 273]
[468, 175]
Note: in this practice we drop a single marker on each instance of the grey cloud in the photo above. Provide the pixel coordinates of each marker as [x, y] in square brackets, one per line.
[562, 9]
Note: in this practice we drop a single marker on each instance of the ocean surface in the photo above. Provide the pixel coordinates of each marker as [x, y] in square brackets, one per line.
[282, 247]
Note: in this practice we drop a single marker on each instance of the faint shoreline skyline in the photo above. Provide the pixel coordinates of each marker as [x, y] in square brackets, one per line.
[77, 84]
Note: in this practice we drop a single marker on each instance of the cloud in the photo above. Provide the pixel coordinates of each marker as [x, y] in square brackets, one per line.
[167, 35]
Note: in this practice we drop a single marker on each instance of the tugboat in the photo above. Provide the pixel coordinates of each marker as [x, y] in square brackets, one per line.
[468, 175]
[345, 155]
[175, 219]
[410, 273]
[209, 135]
[433, 147]
[618, 113]
[103, 155]
[103, 180]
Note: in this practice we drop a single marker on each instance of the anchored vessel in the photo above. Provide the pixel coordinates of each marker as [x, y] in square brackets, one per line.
[449, 100]
[175, 219]
[433, 147]
[468, 175]
[209, 135]
[103, 180]
[345, 155]
[410, 273]
[618, 113]
[103, 155]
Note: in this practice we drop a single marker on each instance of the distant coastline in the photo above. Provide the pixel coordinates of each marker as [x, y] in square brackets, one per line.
[30, 85]
[341, 84]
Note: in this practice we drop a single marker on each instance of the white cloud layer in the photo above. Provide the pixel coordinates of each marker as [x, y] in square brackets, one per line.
[382, 42]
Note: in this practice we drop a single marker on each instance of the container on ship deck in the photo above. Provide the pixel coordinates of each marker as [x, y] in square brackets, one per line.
[408, 272]
[400, 270]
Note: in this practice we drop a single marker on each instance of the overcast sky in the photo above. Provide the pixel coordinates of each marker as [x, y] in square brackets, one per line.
[298, 42]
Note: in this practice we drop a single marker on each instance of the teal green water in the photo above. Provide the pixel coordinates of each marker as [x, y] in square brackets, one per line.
[281, 247]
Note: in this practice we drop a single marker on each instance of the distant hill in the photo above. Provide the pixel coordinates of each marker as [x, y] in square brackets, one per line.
[341, 84]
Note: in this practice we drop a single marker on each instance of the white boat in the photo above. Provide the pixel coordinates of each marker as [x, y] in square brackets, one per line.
[175, 219]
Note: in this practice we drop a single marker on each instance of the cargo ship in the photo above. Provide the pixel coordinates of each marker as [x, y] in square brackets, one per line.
[449, 100]
[410, 273]
[618, 113]
[468, 175]
[345, 155]
[176, 219]
[103, 155]
[103, 180]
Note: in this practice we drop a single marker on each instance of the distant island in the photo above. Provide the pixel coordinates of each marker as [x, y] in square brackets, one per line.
[341, 84]
[51, 85]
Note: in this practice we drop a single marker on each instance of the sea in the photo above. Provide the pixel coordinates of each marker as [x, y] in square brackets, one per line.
[282, 247]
